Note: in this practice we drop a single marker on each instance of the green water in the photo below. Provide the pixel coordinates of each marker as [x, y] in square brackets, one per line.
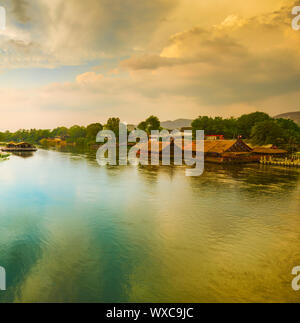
[71, 230]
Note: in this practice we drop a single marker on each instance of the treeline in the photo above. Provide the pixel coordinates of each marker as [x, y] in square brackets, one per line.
[257, 127]
[76, 134]
[79, 135]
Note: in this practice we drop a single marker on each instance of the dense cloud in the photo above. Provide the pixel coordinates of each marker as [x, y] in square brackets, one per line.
[75, 31]
[19, 9]
[170, 58]
[239, 60]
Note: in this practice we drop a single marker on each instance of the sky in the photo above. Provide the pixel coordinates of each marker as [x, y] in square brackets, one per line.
[78, 62]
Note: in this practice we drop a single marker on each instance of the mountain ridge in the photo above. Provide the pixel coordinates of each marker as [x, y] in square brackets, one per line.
[176, 124]
[180, 123]
[295, 116]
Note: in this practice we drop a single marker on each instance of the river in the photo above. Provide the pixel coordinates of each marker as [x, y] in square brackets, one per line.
[74, 231]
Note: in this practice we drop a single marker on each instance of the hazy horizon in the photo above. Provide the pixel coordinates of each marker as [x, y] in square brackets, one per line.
[129, 123]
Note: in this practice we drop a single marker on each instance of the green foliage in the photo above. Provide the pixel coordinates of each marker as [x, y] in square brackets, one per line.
[4, 157]
[216, 126]
[113, 124]
[92, 130]
[151, 123]
[32, 136]
[61, 132]
[267, 132]
[75, 135]
[280, 132]
[246, 122]
[258, 126]
[142, 126]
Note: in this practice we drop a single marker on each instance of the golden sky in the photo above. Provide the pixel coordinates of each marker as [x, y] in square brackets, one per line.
[77, 62]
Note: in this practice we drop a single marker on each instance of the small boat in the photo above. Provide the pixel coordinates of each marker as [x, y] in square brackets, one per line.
[19, 147]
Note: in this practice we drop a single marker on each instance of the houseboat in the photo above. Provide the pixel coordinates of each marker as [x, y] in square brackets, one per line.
[268, 152]
[225, 151]
[215, 151]
[19, 147]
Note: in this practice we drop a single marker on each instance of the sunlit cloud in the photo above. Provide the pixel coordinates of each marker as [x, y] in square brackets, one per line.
[166, 58]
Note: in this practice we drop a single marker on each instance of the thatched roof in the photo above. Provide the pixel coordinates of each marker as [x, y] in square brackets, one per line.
[153, 144]
[220, 146]
[262, 150]
[24, 144]
[210, 146]
[18, 144]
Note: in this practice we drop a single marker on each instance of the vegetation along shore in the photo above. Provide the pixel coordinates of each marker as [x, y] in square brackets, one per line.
[257, 129]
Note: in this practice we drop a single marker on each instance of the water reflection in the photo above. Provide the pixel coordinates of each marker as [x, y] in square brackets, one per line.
[71, 230]
[23, 154]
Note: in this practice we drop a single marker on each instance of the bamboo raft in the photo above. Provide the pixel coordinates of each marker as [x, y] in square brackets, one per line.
[295, 162]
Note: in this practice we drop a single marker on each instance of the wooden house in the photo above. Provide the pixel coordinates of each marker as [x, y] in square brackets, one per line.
[19, 147]
[224, 151]
[216, 151]
[263, 151]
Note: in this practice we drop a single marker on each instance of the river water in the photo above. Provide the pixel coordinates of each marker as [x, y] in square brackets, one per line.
[71, 230]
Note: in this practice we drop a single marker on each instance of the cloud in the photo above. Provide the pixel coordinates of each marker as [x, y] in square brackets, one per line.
[238, 64]
[73, 32]
[239, 60]
[20, 10]
[148, 62]
[88, 78]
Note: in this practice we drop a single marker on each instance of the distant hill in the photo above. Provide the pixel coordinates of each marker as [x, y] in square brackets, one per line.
[176, 124]
[295, 116]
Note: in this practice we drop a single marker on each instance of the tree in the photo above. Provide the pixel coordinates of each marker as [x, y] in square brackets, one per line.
[142, 126]
[231, 128]
[151, 123]
[267, 132]
[92, 131]
[204, 123]
[113, 124]
[246, 122]
[61, 132]
[289, 125]
[76, 132]
[216, 126]
[292, 133]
